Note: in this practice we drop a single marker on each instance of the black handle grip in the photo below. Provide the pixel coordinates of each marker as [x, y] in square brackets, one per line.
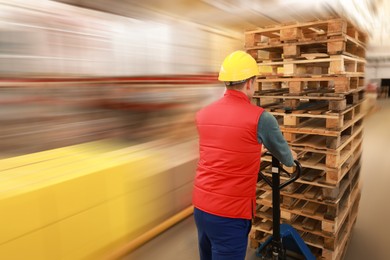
[296, 175]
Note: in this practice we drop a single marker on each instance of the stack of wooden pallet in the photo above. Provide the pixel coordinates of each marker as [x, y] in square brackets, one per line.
[311, 81]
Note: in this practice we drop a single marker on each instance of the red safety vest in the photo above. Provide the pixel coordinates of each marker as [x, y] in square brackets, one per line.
[229, 162]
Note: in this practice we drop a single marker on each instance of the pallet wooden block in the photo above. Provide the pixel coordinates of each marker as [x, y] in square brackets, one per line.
[337, 27]
[346, 45]
[336, 47]
[251, 39]
[337, 105]
[291, 103]
[357, 34]
[291, 51]
[295, 86]
[288, 34]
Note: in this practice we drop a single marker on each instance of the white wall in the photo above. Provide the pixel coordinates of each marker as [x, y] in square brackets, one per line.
[379, 71]
[383, 71]
[378, 62]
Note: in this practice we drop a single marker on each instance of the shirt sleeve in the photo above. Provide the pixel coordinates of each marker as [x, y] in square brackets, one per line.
[269, 134]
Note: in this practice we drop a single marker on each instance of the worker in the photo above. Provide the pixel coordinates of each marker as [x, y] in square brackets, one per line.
[231, 134]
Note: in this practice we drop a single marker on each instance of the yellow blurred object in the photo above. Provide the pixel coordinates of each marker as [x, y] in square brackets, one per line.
[81, 202]
[134, 244]
[238, 66]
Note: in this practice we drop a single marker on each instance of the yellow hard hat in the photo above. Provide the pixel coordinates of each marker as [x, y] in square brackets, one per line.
[238, 66]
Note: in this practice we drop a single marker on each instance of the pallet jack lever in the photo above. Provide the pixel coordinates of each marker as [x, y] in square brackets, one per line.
[284, 237]
[295, 176]
[276, 168]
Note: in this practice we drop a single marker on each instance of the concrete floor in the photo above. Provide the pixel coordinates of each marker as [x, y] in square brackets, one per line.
[371, 235]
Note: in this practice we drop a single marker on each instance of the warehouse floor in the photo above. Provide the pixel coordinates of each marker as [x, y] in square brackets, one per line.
[371, 234]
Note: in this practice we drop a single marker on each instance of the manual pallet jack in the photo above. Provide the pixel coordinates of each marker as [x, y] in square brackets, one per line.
[285, 240]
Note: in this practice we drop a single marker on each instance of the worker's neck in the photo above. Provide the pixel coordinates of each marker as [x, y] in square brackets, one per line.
[239, 90]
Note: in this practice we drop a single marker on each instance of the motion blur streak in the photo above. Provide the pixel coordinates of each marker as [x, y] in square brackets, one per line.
[97, 104]
[55, 39]
[71, 75]
[97, 125]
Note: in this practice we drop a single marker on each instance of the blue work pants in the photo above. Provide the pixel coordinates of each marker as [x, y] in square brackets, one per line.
[221, 238]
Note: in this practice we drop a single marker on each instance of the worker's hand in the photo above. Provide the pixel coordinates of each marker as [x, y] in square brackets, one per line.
[263, 150]
[294, 155]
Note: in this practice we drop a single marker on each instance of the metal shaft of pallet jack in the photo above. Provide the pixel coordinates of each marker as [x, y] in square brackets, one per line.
[275, 205]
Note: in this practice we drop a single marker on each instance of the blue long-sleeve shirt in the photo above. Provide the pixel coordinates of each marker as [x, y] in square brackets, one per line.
[269, 134]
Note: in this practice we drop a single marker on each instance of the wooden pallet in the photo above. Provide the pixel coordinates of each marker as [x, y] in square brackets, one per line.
[326, 219]
[333, 45]
[334, 158]
[313, 103]
[333, 176]
[318, 119]
[308, 108]
[334, 127]
[303, 32]
[312, 201]
[315, 136]
[307, 84]
[311, 225]
[308, 100]
[315, 171]
[329, 159]
[320, 122]
[305, 190]
[314, 189]
[257, 237]
[334, 64]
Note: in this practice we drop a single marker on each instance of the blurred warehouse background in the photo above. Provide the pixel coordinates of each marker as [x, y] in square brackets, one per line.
[97, 105]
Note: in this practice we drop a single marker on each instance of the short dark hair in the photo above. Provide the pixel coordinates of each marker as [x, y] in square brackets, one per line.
[238, 85]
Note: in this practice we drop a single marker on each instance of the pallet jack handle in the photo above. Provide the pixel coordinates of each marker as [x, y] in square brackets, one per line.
[276, 168]
[282, 230]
